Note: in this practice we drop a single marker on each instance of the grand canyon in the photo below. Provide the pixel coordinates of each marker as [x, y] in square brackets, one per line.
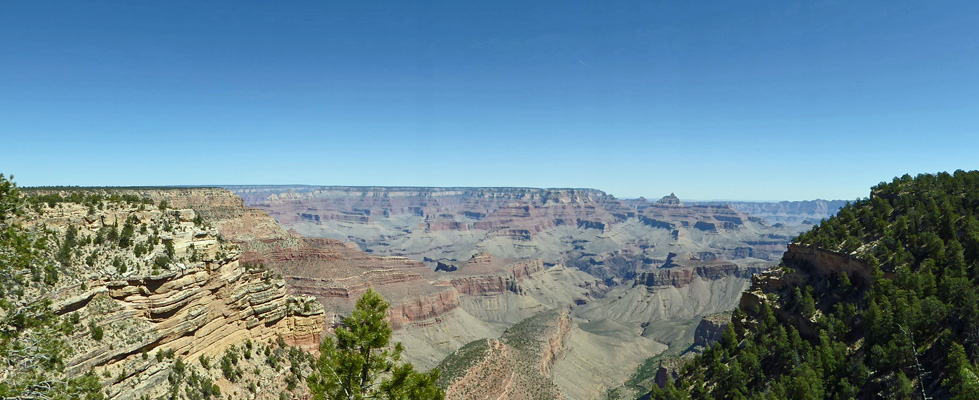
[509, 292]
[628, 279]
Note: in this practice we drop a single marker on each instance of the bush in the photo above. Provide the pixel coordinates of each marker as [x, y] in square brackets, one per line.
[228, 362]
[97, 331]
[161, 262]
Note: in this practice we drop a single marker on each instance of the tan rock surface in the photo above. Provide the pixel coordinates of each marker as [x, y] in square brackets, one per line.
[200, 302]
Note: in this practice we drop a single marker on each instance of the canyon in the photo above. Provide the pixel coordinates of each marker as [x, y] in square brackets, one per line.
[515, 292]
[466, 265]
[587, 229]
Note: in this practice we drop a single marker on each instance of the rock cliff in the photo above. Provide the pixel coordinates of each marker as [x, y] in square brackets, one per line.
[710, 329]
[681, 276]
[485, 275]
[159, 280]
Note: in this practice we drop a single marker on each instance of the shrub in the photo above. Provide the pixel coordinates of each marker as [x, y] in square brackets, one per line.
[97, 331]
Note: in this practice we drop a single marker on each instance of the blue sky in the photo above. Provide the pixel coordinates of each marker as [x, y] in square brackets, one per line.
[737, 100]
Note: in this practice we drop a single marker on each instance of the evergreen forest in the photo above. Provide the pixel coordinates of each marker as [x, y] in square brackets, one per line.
[911, 331]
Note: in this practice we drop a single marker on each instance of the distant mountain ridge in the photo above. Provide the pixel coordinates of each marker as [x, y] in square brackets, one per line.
[785, 212]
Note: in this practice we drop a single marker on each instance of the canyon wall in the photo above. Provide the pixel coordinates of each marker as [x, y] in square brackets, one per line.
[610, 238]
[166, 282]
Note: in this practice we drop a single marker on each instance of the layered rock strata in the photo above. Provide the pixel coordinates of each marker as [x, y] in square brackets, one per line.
[161, 280]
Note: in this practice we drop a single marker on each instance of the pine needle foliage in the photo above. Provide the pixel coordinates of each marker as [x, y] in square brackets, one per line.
[910, 332]
[360, 362]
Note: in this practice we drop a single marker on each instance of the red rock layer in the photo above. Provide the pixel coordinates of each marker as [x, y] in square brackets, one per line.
[484, 275]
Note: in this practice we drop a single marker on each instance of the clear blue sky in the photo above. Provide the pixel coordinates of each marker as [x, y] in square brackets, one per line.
[738, 100]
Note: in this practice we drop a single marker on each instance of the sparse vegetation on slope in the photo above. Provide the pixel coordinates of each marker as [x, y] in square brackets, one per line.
[515, 366]
[892, 310]
[105, 292]
[32, 337]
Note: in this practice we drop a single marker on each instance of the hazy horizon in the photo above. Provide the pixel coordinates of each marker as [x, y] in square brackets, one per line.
[788, 101]
[650, 198]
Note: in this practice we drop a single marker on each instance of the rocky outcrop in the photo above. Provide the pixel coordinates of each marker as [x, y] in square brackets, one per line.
[199, 310]
[337, 274]
[484, 285]
[828, 263]
[710, 329]
[670, 200]
[681, 276]
[669, 369]
[423, 310]
[806, 263]
[555, 343]
[161, 280]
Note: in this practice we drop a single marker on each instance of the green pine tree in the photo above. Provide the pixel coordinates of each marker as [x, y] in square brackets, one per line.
[361, 364]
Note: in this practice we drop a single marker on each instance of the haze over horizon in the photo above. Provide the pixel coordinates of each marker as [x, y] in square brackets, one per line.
[759, 101]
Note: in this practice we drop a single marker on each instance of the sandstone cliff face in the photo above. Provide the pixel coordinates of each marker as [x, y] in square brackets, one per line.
[195, 311]
[337, 274]
[484, 275]
[334, 272]
[682, 276]
[199, 301]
